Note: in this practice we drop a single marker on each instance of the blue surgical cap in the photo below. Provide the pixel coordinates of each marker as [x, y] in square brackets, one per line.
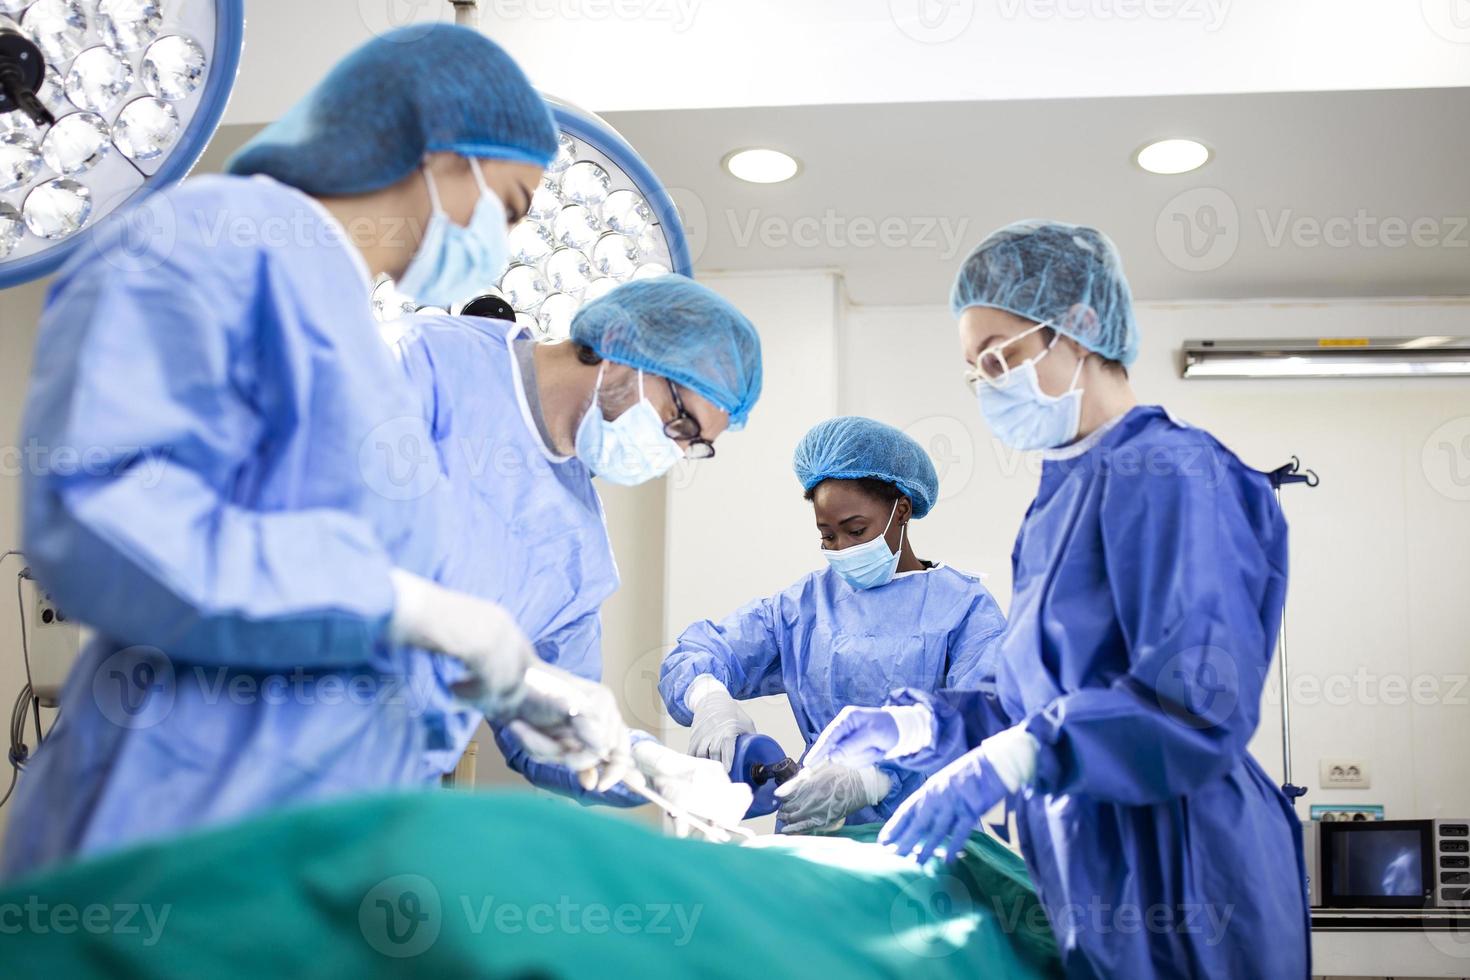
[1069, 276]
[405, 94]
[851, 448]
[674, 327]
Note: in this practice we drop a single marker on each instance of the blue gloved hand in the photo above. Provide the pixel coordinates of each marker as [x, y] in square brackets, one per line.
[940, 814]
[859, 737]
[951, 802]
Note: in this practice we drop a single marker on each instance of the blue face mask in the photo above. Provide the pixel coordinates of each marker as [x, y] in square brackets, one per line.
[870, 564]
[454, 263]
[630, 449]
[1022, 415]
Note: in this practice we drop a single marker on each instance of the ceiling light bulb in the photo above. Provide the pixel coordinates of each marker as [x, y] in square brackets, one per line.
[762, 166]
[1173, 156]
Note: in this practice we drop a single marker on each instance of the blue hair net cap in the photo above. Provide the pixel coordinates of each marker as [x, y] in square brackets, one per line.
[405, 94]
[673, 326]
[1069, 276]
[852, 447]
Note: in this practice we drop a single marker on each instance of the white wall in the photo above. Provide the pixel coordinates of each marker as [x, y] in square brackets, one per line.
[1379, 551]
[19, 309]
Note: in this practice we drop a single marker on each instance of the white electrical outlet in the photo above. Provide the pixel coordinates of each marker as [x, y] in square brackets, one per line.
[52, 643]
[1347, 812]
[1345, 774]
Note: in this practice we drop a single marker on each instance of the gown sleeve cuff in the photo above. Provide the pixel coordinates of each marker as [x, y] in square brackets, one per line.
[702, 687]
[915, 729]
[1046, 728]
[877, 784]
[1014, 754]
[946, 740]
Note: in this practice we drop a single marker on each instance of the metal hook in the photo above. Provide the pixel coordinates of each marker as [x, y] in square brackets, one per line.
[1292, 472]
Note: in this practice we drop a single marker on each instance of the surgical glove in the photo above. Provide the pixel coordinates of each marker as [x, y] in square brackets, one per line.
[859, 737]
[698, 786]
[718, 721]
[941, 814]
[824, 797]
[481, 633]
[567, 720]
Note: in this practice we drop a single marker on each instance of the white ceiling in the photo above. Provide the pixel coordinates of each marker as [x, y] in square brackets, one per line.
[912, 151]
[617, 55]
[938, 176]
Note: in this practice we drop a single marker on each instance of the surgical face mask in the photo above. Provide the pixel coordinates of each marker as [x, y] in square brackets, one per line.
[630, 449]
[1022, 415]
[454, 263]
[870, 564]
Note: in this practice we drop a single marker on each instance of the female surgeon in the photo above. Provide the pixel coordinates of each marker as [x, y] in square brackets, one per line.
[876, 618]
[1149, 577]
[234, 531]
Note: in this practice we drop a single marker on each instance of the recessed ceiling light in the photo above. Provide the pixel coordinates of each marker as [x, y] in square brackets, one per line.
[1173, 156]
[762, 166]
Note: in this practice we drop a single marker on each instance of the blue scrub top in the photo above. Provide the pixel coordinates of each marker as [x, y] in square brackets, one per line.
[1150, 574]
[529, 529]
[827, 645]
[217, 507]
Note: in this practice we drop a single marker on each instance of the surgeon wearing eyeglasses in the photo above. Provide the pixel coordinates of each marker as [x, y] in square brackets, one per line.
[654, 373]
[1149, 576]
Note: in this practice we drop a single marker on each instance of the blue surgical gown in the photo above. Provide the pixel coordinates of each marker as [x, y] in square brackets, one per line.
[828, 645]
[1150, 574]
[214, 503]
[529, 526]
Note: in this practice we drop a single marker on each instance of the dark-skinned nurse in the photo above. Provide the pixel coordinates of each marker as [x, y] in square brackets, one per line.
[878, 617]
[1149, 575]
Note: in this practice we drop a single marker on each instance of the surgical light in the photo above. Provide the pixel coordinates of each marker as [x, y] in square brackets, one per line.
[102, 102]
[599, 218]
[146, 128]
[98, 79]
[762, 165]
[1175, 156]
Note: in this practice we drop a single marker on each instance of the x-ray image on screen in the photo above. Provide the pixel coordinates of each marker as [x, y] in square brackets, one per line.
[1382, 863]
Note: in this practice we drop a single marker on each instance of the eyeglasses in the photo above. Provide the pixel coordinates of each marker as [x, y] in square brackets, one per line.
[684, 427]
[991, 366]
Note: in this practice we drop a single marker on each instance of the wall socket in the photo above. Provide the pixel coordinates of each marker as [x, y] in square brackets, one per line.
[1358, 812]
[1344, 774]
[53, 641]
